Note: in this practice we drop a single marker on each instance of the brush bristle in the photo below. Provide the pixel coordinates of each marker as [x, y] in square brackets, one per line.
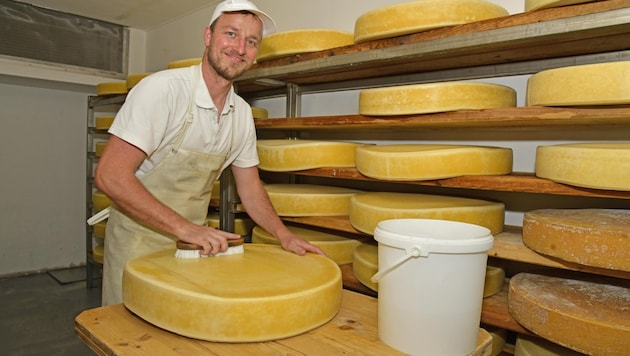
[187, 253]
[234, 250]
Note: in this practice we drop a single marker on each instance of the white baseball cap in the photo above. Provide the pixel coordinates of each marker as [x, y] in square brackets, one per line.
[269, 26]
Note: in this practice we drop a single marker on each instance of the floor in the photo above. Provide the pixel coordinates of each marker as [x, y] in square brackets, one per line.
[37, 313]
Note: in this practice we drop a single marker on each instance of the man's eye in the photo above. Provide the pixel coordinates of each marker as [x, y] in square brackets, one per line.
[230, 34]
[252, 43]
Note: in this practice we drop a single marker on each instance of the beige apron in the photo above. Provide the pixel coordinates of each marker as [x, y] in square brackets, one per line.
[183, 181]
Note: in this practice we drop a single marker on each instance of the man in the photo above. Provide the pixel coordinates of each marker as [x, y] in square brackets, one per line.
[177, 131]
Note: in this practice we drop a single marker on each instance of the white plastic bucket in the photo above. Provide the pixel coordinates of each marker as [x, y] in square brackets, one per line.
[431, 277]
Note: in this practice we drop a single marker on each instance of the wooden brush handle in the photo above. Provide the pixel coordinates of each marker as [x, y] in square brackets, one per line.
[181, 245]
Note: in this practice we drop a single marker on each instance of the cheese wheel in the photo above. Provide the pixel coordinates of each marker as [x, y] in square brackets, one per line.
[182, 63]
[98, 253]
[134, 79]
[425, 161]
[287, 43]
[242, 226]
[309, 199]
[265, 293]
[99, 147]
[493, 283]
[110, 88]
[295, 155]
[604, 165]
[527, 345]
[368, 209]
[422, 15]
[103, 122]
[100, 200]
[591, 237]
[499, 339]
[590, 84]
[338, 248]
[98, 229]
[365, 264]
[259, 113]
[531, 5]
[586, 315]
[434, 97]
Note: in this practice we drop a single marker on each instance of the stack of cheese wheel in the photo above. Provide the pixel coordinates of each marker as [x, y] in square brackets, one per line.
[425, 161]
[338, 248]
[111, 88]
[598, 165]
[434, 97]
[265, 293]
[422, 15]
[100, 201]
[134, 79]
[591, 237]
[586, 314]
[531, 5]
[310, 199]
[242, 226]
[183, 63]
[103, 122]
[590, 84]
[365, 264]
[259, 113]
[368, 209]
[527, 345]
[493, 283]
[287, 43]
[294, 155]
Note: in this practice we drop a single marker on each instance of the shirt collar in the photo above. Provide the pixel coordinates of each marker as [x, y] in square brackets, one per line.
[203, 98]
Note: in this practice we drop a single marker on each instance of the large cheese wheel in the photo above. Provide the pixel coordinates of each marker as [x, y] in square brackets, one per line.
[527, 345]
[287, 43]
[109, 88]
[259, 113]
[425, 161]
[294, 155]
[265, 293]
[434, 97]
[100, 200]
[417, 16]
[103, 122]
[182, 63]
[242, 226]
[592, 237]
[98, 229]
[531, 5]
[590, 84]
[493, 283]
[368, 209]
[587, 315]
[310, 199]
[134, 79]
[599, 165]
[365, 264]
[338, 248]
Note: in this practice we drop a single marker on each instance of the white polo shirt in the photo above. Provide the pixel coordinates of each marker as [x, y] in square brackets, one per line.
[155, 110]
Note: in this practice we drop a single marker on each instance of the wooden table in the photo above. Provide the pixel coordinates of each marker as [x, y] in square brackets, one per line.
[114, 330]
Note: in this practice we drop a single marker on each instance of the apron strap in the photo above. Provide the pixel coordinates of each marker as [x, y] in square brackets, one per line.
[189, 112]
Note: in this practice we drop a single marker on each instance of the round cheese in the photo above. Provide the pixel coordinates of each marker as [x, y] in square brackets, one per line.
[98, 229]
[98, 253]
[425, 161]
[242, 226]
[259, 113]
[598, 165]
[338, 248]
[295, 155]
[287, 43]
[499, 339]
[590, 84]
[592, 237]
[309, 199]
[110, 88]
[103, 122]
[182, 63]
[365, 264]
[527, 345]
[99, 147]
[263, 294]
[434, 97]
[589, 316]
[368, 209]
[493, 283]
[531, 5]
[100, 200]
[417, 16]
[134, 79]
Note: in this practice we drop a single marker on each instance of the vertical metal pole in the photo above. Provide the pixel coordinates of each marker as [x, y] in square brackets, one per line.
[227, 201]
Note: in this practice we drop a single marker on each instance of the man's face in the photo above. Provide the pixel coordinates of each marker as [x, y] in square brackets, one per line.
[233, 44]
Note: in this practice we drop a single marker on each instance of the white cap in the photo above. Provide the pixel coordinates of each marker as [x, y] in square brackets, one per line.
[269, 26]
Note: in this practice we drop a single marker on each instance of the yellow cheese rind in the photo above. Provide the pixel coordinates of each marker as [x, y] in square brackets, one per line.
[527, 345]
[134, 79]
[265, 293]
[591, 237]
[590, 84]
[98, 253]
[110, 88]
[365, 264]
[493, 283]
[182, 63]
[99, 147]
[103, 122]
[425, 161]
[259, 113]
[499, 339]
[586, 315]
[309, 199]
[368, 209]
[418, 16]
[295, 155]
[434, 97]
[98, 229]
[598, 165]
[336, 247]
[531, 5]
[100, 200]
[242, 226]
[287, 43]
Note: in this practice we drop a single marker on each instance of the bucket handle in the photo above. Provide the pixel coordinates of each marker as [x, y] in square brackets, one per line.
[413, 252]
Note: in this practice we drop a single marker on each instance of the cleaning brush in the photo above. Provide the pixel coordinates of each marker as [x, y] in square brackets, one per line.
[188, 250]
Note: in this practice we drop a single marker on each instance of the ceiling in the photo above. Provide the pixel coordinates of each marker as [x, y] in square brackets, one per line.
[140, 14]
